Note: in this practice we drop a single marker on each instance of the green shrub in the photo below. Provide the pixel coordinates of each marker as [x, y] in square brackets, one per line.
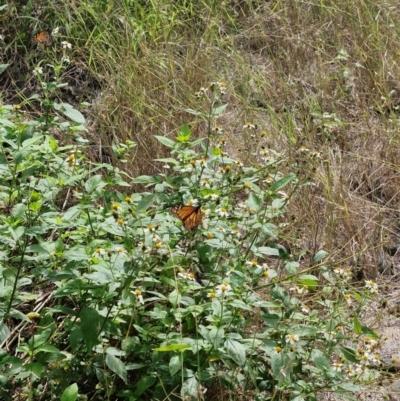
[105, 292]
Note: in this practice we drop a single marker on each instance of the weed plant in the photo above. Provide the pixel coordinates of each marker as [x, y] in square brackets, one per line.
[105, 295]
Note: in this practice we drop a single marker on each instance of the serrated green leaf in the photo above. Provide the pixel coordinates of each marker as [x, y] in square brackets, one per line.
[266, 250]
[216, 336]
[35, 368]
[72, 213]
[89, 327]
[304, 331]
[4, 331]
[144, 179]
[219, 110]
[143, 384]
[175, 364]
[351, 387]
[75, 254]
[190, 389]
[236, 351]
[254, 202]
[320, 360]
[117, 366]
[95, 183]
[281, 366]
[146, 202]
[72, 113]
[70, 393]
[216, 307]
[237, 303]
[6, 123]
[292, 267]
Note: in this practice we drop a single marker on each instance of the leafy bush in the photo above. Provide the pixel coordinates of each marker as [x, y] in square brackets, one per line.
[106, 293]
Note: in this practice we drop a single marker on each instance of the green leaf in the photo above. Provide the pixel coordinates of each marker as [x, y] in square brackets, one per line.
[319, 256]
[6, 123]
[237, 303]
[16, 314]
[4, 331]
[184, 134]
[70, 393]
[172, 347]
[282, 182]
[219, 110]
[143, 384]
[370, 332]
[254, 202]
[216, 151]
[72, 113]
[3, 67]
[47, 348]
[304, 331]
[215, 336]
[292, 267]
[117, 366]
[76, 254]
[351, 387]
[35, 368]
[271, 319]
[281, 366]
[113, 228]
[309, 280]
[165, 141]
[216, 307]
[95, 183]
[72, 213]
[236, 351]
[350, 354]
[280, 294]
[266, 250]
[175, 364]
[270, 229]
[190, 389]
[194, 112]
[89, 327]
[144, 179]
[146, 202]
[357, 325]
[320, 360]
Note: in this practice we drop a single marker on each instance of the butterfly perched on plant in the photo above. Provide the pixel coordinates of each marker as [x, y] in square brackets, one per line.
[190, 216]
[44, 37]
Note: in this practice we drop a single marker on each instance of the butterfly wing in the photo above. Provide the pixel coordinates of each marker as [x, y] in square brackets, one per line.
[44, 37]
[189, 215]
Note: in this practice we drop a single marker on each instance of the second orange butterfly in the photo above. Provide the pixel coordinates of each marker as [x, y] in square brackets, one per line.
[44, 37]
[190, 216]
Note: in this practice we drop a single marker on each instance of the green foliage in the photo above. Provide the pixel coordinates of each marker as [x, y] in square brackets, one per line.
[107, 290]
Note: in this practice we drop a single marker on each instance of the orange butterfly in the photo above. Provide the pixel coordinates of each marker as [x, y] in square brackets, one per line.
[190, 216]
[44, 37]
